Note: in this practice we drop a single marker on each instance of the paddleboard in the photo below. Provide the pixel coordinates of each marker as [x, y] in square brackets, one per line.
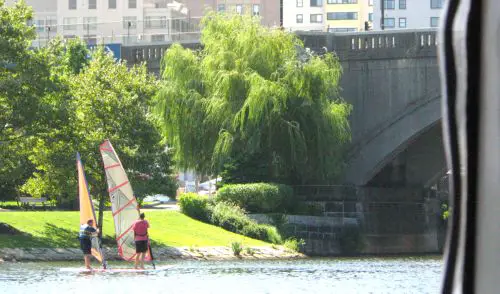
[115, 270]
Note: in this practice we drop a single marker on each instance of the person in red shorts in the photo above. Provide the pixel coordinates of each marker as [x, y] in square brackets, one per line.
[141, 238]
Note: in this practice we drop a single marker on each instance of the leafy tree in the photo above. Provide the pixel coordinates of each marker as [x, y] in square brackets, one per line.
[24, 80]
[249, 92]
[104, 100]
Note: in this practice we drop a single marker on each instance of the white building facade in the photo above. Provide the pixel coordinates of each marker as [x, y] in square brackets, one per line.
[407, 14]
[303, 15]
[113, 21]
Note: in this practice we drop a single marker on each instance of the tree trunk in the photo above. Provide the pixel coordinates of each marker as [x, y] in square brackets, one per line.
[101, 213]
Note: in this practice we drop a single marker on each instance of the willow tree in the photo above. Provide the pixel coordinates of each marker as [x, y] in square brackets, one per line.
[250, 91]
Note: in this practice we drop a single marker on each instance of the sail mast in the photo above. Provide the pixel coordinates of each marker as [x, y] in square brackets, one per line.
[87, 209]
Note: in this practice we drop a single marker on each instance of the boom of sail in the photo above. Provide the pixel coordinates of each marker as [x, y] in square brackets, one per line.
[123, 203]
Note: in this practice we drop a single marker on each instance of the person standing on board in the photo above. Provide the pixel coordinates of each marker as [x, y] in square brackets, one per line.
[86, 232]
[140, 228]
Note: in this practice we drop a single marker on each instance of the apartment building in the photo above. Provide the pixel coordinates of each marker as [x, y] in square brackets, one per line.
[267, 10]
[304, 15]
[113, 21]
[407, 14]
[348, 15]
[327, 15]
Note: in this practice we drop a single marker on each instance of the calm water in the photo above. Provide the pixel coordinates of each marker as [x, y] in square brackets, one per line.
[366, 275]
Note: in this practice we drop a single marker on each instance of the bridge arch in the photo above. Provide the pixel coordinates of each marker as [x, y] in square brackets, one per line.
[417, 123]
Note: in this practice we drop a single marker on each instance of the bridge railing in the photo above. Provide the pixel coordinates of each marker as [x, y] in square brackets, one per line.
[381, 44]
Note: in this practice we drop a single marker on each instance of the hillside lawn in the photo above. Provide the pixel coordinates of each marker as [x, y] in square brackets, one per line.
[59, 229]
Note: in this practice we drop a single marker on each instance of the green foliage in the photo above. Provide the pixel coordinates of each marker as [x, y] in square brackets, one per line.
[258, 197]
[294, 245]
[250, 251]
[102, 100]
[231, 217]
[56, 101]
[234, 219]
[446, 211]
[237, 247]
[195, 206]
[351, 239]
[227, 216]
[249, 92]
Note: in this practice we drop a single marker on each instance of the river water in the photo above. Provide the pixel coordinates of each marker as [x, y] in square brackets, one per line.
[364, 275]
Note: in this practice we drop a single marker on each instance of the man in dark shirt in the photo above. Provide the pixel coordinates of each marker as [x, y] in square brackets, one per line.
[87, 231]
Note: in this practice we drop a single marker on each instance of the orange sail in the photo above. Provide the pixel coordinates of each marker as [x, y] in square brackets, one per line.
[87, 207]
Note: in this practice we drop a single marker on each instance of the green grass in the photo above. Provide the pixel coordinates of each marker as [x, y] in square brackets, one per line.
[59, 229]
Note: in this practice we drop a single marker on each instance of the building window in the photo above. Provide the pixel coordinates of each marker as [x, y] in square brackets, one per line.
[389, 22]
[69, 23]
[342, 1]
[370, 16]
[132, 4]
[436, 4]
[40, 25]
[155, 22]
[300, 3]
[402, 22]
[239, 9]
[316, 3]
[316, 18]
[90, 23]
[221, 8]
[434, 22]
[72, 4]
[342, 30]
[341, 15]
[111, 4]
[256, 10]
[402, 4]
[129, 22]
[389, 4]
[92, 4]
[300, 18]
[157, 38]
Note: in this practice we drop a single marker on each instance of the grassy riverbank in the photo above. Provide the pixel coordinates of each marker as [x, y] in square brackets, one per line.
[59, 229]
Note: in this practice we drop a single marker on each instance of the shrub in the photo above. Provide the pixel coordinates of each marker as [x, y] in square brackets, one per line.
[351, 239]
[234, 219]
[229, 217]
[258, 197]
[195, 206]
[250, 251]
[294, 245]
[237, 248]
[273, 236]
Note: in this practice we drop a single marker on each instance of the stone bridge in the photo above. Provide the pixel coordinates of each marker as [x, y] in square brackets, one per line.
[391, 78]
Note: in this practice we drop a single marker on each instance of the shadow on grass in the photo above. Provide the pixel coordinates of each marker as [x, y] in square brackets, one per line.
[52, 236]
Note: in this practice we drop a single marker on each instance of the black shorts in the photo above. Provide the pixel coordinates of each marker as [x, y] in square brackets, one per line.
[85, 245]
[141, 246]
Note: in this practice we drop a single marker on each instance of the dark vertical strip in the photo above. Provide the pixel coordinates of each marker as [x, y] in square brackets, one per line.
[450, 129]
[473, 45]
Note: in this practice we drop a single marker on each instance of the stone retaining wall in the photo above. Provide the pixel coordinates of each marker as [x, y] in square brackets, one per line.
[160, 254]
